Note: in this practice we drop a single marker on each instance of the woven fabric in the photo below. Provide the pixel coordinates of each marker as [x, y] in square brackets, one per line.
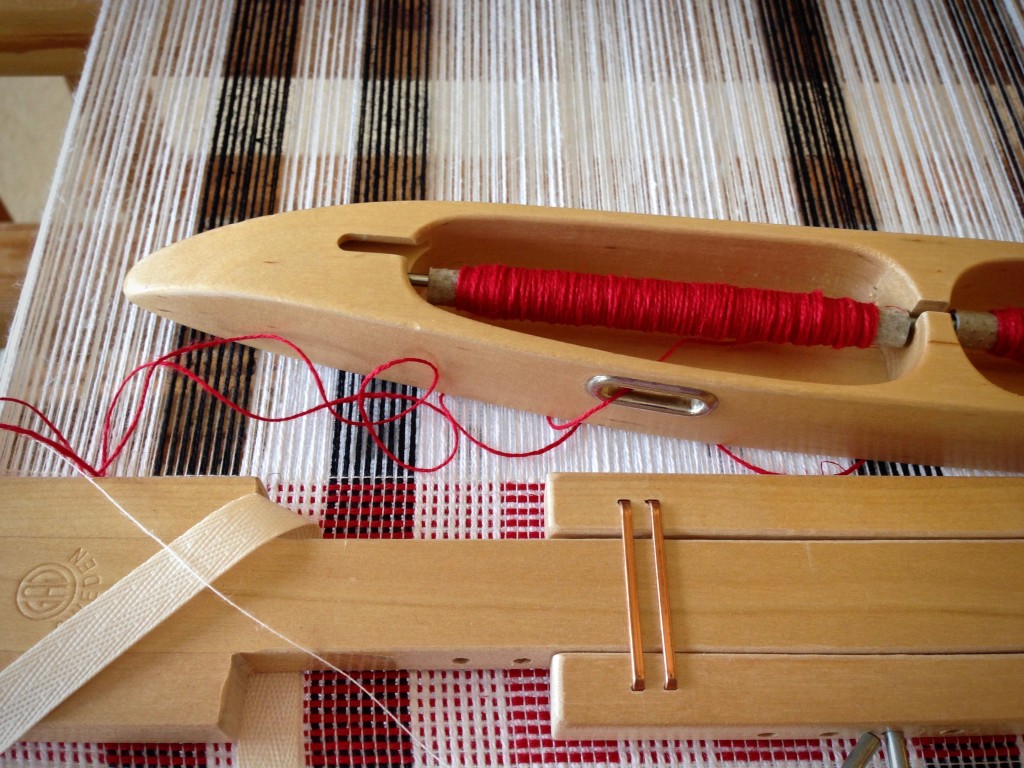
[871, 115]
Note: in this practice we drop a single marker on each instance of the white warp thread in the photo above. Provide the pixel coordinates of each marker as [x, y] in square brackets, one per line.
[32, 686]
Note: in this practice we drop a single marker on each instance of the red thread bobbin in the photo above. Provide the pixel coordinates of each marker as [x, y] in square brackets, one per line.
[712, 311]
[1010, 333]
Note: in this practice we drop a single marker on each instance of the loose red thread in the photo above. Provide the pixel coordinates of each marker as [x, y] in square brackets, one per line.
[762, 471]
[712, 311]
[112, 447]
[1009, 333]
[60, 444]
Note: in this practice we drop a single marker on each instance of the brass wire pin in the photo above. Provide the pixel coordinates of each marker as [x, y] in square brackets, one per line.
[636, 643]
[664, 606]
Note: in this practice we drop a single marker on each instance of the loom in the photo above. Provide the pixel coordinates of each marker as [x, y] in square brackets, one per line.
[872, 117]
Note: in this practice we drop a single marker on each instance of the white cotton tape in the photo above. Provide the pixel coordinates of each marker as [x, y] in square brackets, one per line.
[271, 730]
[33, 685]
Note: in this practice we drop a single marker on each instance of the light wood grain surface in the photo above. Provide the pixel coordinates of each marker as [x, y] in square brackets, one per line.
[494, 604]
[926, 403]
[16, 242]
[45, 37]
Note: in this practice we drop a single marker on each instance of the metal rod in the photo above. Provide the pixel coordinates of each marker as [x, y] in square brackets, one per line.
[863, 751]
[636, 642]
[668, 652]
[896, 750]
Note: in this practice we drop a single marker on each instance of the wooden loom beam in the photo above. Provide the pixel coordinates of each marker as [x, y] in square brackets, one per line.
[45, 37]
[16, 243]
[814, 604]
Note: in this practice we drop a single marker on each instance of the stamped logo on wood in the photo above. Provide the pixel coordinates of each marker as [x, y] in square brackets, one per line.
[57, 590]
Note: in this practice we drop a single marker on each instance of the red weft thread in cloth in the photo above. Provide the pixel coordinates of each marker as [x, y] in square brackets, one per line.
[1009, 334]
[712, 311]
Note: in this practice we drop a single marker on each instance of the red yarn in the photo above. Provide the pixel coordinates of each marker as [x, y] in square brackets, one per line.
[842, 471]
[712, 311]
[110, 454]
[1009, 333]
[60, 444]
